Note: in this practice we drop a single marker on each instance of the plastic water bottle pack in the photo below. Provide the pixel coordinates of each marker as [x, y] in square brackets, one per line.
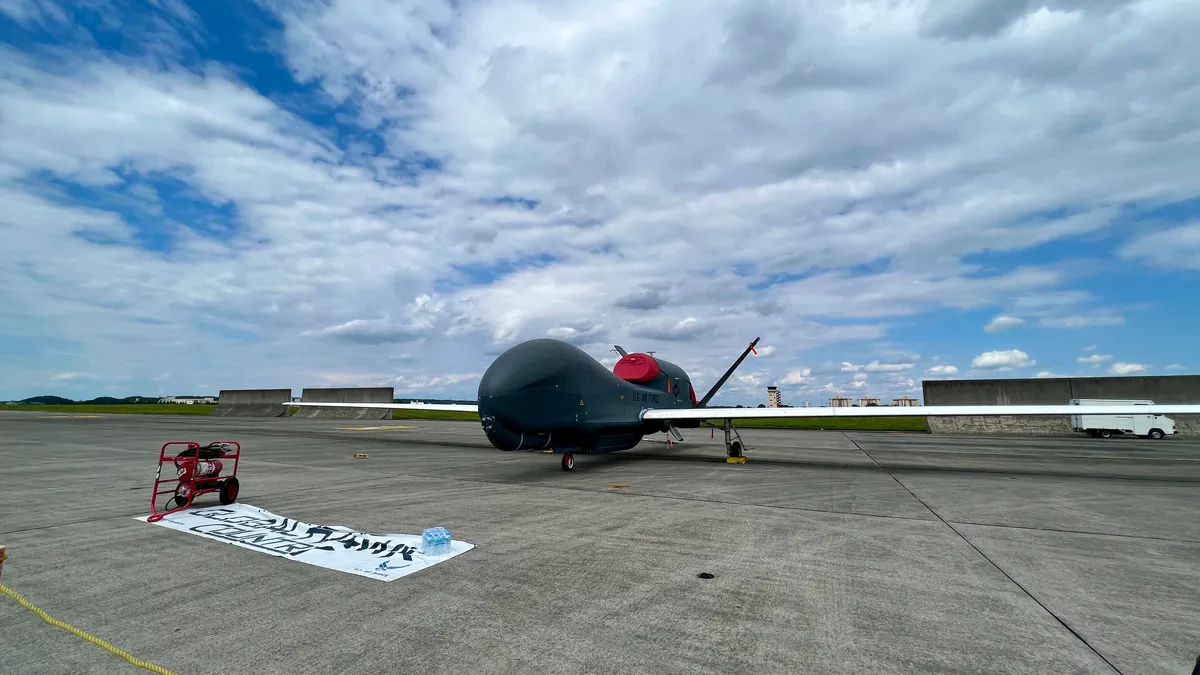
[435, 541]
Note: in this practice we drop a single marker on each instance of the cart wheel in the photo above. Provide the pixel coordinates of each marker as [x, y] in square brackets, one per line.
[180, 501]
[229, 491]
[568, 462]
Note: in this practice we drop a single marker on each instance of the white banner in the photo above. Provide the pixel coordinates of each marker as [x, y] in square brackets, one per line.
[377, 556]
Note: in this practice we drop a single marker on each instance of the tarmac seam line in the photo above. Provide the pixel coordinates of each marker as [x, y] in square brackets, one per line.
[1084, 532]
[1016, 583]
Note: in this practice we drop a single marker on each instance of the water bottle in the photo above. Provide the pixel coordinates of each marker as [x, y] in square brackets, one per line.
[435, 541]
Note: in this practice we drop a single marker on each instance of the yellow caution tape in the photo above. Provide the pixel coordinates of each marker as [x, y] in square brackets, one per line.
[90, 638]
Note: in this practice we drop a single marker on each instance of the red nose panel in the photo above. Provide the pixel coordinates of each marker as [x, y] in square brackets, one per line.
[639, 368]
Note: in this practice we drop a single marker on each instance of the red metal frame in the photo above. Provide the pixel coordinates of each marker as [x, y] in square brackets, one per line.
[186, 467]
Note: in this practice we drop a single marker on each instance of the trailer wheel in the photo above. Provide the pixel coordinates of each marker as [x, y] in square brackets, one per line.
[1156, 434]
[229, 491]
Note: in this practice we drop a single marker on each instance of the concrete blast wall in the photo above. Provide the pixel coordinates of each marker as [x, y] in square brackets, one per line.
[1052, 391]
[252, 403]
[347, 395]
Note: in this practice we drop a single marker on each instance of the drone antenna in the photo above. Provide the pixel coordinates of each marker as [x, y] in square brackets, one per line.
[703, 403]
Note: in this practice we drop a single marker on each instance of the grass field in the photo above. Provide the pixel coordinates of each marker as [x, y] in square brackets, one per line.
[119, 409]
[831, 423]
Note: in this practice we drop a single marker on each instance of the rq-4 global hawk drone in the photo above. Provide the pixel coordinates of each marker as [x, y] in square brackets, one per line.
[548, 394]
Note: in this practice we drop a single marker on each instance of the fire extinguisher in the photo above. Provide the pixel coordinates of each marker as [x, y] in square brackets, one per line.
[192, 471]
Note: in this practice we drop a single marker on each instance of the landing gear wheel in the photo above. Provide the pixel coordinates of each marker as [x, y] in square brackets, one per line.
[229, 491]
[1156, 434]
[735, 449]
[568, 462]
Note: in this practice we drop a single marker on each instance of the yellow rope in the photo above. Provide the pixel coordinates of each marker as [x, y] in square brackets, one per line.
[90, 638]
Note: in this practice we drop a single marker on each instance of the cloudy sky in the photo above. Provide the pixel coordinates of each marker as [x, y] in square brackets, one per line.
[359, 192]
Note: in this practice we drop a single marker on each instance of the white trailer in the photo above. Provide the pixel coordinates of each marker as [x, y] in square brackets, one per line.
[1105, 426]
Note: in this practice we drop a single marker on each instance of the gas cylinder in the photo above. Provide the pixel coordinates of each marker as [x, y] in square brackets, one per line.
[204, 468]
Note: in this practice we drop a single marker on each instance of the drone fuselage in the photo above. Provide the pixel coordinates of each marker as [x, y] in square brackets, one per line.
[548, 394]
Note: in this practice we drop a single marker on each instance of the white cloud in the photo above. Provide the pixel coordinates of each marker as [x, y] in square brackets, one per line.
[1174, 247]
[1176, 366]
[669, 329]
[418, 385]
[943, 369]
[1056, 309]
[1127, 368]
[578, 333]
[1012, 358]
[1082, 321]
[1002, 323]
[796, 377]
[664, 143]
[1094, 358]
[1089, 348]
[1045, 374]
[875, 367]
[751, 380]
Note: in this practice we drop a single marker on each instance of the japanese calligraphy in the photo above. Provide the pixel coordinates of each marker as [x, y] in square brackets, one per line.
[386, 557]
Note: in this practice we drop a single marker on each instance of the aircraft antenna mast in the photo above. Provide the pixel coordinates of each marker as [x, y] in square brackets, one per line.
[712, 392]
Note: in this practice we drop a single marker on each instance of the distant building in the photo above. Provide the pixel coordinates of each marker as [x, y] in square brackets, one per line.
[774, 400]
[188, 400]
[905, 400]
[839, 402]
[867, 401]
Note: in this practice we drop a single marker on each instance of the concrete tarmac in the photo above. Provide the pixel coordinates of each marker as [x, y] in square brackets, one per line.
[832, 552]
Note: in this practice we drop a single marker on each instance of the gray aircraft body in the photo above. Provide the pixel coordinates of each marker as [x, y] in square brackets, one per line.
[548, 394]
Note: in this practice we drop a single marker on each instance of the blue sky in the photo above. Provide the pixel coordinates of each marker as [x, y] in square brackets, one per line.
[219, 195]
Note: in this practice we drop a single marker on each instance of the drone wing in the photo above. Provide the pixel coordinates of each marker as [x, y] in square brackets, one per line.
[447, 407]
[918, 411]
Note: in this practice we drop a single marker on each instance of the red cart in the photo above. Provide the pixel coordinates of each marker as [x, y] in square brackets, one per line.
[198, 470]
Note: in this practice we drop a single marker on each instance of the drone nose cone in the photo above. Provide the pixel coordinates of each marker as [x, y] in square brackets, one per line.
[525, 389]
[525, 366]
